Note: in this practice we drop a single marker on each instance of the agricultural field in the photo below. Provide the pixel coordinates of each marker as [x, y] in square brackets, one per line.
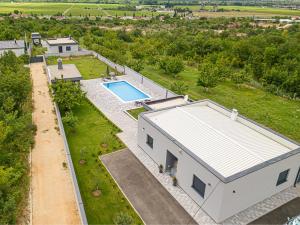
[71, 9]
[242, 11]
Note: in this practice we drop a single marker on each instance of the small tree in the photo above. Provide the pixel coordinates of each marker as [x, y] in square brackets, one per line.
[171, 65]
[123, 219]
[239, 77]
[67, 94]
[70, 120]
[208, 76]
[137, 65]
[179, 87]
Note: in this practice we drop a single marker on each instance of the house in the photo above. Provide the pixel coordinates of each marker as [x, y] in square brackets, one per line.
[16, 46]
[66, 72]
[61, 45]
[36, 38]
[225, 162]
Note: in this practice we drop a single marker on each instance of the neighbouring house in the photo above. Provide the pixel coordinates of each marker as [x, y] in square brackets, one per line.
[64, 71]
[61, 45]
[36, 38]
[225, 162]
[16, 46]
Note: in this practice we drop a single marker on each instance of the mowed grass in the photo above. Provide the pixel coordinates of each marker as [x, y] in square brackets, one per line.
[88, 66]
[278, 113]
[136, 112]
[95, 135]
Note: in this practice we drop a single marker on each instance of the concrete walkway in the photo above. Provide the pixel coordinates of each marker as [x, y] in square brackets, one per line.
[154, 203]
[53, 198]
[113, 109]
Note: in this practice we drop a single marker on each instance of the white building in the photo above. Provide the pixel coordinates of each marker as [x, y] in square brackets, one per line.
[16, 46]
[223, 161]
[61, 45]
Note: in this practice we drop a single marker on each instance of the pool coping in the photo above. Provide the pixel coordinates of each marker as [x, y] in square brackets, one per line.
[118, 97]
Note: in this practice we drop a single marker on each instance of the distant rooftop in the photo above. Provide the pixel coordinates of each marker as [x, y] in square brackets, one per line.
[35, 35]
[69, 72]
[12, 44]
[61, 41]
[229, 148]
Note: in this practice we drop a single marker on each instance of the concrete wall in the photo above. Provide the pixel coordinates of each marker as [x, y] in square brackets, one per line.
[18, 52]
[221, 200]
[54, 48]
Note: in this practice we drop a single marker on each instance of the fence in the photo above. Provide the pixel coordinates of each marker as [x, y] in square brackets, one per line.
[148, 83]
[69, 159]
[137, 76]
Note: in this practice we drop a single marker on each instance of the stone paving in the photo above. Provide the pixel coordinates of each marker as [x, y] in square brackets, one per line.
[113, 109]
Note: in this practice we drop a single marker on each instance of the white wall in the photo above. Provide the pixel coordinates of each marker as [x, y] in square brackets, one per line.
[18, 52]
[54, 48]
[219, 200]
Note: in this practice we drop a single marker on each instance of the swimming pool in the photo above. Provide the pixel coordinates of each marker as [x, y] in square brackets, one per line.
[125, 91]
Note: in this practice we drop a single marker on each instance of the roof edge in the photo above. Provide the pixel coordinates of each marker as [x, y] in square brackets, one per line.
[213, 171]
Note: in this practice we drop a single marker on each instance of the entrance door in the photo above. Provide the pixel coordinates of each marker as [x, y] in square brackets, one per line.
[297, 181]
[60, 49]
[171, 164]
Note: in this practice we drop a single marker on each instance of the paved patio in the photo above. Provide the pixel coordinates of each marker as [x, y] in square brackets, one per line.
[114, 110]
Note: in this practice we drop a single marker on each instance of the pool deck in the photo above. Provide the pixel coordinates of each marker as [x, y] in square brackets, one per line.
[114, 109]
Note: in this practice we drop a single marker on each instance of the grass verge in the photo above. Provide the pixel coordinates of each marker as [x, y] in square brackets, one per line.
[95, 135]
[135, 112]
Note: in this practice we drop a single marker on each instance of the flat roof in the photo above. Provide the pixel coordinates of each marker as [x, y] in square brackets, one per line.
[228, 148]
[69, 72]
[61, 41]
[12, 44]
[166, 103]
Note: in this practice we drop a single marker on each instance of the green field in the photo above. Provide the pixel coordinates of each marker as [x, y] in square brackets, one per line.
[70, 9]
[278, 113]
[95, 135]
[88, 66]
[250, 9]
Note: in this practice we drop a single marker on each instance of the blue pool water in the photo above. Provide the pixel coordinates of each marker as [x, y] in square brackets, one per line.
[125, 91]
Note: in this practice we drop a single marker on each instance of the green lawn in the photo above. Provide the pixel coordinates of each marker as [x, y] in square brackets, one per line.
[88, 66]
[135, 112]
[278, 113]
[95, 135]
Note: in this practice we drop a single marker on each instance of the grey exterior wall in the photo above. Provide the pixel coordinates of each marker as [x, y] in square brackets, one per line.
[221, 200]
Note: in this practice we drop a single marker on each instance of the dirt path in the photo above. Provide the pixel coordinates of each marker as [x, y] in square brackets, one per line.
[53, 198]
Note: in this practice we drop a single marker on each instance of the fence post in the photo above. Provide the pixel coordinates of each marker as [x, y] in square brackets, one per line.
[167, 93]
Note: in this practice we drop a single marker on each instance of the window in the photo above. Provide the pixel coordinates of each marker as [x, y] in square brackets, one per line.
[282, 177]
[199, 186]
[68, 48]
[149, 141]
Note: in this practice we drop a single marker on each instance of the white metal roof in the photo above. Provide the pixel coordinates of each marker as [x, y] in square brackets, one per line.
[227, 146]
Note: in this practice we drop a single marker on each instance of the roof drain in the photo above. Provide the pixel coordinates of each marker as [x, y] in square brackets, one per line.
[234, 114]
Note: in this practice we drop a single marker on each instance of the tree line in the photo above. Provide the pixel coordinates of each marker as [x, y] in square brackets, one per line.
[16, 137]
